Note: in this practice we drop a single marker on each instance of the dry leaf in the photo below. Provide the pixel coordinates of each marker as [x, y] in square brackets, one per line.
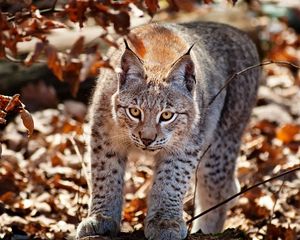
[77, 47]
[287, 132]
[13, 103]
[152, 6]
[27, 121]
[33, 56]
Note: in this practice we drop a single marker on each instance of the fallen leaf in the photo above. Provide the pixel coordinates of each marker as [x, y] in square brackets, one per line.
[27, 121]
[152, 6]
[287, 132]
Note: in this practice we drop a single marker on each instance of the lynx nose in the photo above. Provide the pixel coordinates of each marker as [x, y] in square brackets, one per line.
[147, 137]
[147, 141]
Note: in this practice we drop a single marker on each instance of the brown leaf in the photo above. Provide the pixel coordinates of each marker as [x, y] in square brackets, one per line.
[12, 40]
[51, 24]
[255, 212]
[282, 53]
[76, 11]
[254, 194]
[4, 100]
[7, 104]
[71, 75]
[266, 127]
[152, 6]
[53, 62]
[77, 47]
[121, 22]
[27, 121]
[56, 161]
[287, 132]
[2, 47]
[8, 182]
[32, 57]
[2, 117]
[294, 200]
[274, 155]
[101, 7]
[13, 103]
[63, 184]
[8, 197]
[187, 5]
[132, 207]
[72, 127]
[95, 67]
[4, 24]
[279, 232]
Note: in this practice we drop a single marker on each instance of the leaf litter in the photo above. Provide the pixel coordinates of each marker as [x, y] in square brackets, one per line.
[44, 194]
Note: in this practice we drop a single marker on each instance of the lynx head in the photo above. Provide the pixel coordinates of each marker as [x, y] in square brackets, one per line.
[154, 103]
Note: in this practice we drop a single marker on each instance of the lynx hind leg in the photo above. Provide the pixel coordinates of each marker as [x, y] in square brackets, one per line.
[216, 181]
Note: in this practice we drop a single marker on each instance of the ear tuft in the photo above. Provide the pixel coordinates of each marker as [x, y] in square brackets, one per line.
[190, 49]
[131, 65]
[183, 71]
[126, 45]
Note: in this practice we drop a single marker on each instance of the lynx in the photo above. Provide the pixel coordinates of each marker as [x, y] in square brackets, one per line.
[158, 106]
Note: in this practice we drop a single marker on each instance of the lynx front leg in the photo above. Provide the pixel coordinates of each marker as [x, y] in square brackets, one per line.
[107, 172]
[164, 219]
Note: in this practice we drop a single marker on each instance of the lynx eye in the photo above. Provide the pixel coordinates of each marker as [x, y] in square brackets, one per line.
[167, 116]
[134, 113]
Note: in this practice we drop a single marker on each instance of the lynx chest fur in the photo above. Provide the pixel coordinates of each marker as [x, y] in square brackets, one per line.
[157, 105]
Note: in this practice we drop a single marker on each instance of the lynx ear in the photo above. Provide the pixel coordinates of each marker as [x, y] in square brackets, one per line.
[131, 65]
[183, 71]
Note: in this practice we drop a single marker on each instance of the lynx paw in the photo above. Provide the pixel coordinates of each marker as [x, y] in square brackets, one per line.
[97, 225]
[165, 229]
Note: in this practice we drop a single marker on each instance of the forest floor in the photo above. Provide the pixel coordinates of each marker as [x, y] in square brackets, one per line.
[44, 195]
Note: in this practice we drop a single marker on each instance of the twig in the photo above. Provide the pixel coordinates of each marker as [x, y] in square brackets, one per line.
[79, 155]
[235, 75]
[54, 5]
[42, 11]
[243, 191]
[277, 196]
[12, 59]
[22, 61]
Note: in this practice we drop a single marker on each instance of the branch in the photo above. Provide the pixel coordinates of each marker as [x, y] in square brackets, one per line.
[235, 75]
[54, 5]
[22, 61]
[12, 59]
[242, 192]
[42, 11]
[276, 199]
